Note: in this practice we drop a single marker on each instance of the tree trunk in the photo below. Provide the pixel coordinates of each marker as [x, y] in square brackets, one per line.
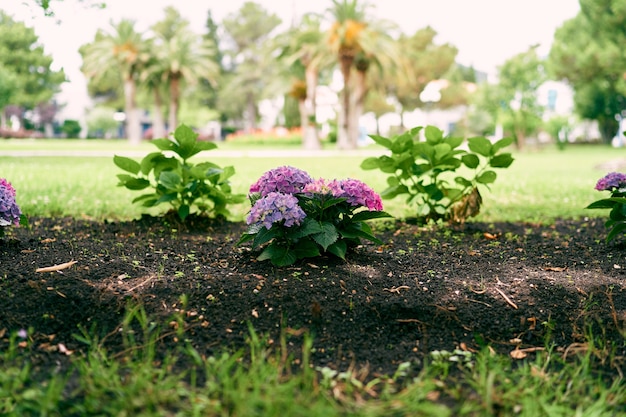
[133, 124]
[250, 117]
[174, 104]
[343, 130]
[310, 137]
[158, 124]
[357, 104]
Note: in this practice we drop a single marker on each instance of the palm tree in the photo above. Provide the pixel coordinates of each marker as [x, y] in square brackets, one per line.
[358, 42]
[182, 57]
[305, 50]
[118, 52]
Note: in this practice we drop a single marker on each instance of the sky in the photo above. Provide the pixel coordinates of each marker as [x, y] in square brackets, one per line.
[486, 32]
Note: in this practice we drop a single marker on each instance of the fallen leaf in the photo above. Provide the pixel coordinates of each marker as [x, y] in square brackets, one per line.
[518, 354]
[58, 267]
[491, 236]
[555, 268]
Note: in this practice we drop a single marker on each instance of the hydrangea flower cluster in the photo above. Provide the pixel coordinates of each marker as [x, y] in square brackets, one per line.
[276, 207]
[359, 194]
[322, 186]
[10, 212]
[612, 181]
[296, 216]
[285, 179]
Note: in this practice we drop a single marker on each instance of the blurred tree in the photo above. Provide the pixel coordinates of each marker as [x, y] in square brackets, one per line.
[180, 58]
[588, 53]
[24, 67]
[304, 50]
[46, 5]
[519, 80]
[250, 60]
[118, 54]
[359, 42]
[8, 88]
[100, 122]
[423, 61]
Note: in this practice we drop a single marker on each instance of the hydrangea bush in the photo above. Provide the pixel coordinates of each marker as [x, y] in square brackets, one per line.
[10, 213]
[297, 216]
[615, 183]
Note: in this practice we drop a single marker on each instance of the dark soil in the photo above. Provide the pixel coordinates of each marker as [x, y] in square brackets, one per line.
[508, 286]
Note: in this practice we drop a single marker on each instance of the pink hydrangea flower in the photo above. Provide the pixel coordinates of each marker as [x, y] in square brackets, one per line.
[285, 179]
[323, 186]
[611, 181]
[358, 193]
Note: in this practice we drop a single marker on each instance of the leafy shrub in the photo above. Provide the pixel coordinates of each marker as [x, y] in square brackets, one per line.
[424, 169]
[299, 217]
[174, 180]
[615, 182]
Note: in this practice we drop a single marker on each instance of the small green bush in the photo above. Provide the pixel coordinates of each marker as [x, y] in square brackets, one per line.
[174, 180]
[425, 171]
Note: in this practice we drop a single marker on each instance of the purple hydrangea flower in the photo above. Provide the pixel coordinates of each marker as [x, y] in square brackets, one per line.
[611, 181]
[358, 193]
[275, 207]
[285, 179]
[322, 186]
[9, 210]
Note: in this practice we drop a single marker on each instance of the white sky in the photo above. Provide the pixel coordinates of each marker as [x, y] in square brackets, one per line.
[486, 32]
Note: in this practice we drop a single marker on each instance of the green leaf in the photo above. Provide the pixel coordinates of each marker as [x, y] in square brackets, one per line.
[370, 163]
[339, 249]
[183, 212]
[486, 177]
[470, 160]
[306, 248]
[617, 228]
[606, 203]
[463, 181]
[307, 228]
[502, 143]
[454, 142]
[327, 236]
[186, 139]
[127, 164]
[369, 215]
[164, 144]
[381, 141]
[170, 180]
[264, 235]
[433, 134]
[394, 191]
[501, 161]
[442, 150]
[480, 145]
[136, 183]
[279, 255]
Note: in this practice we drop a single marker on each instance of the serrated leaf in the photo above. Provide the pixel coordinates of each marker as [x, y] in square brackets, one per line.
[617, 229]
[278, 255]
[327, 236]
[183, 211]
[338, 249]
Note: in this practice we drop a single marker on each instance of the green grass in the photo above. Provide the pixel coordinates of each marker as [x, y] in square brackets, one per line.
[539, 187]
